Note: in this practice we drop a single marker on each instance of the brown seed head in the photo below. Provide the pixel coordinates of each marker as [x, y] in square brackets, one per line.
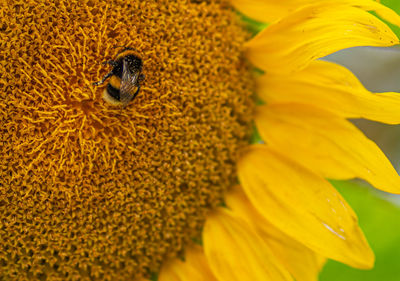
[89, 191]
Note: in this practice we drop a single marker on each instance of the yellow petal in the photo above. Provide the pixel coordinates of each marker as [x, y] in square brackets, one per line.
[303, 205]
[321, 262]
[270, 10]
[313, 32]
[194, 268]
[326, 144]
[333, 87]
[267, 11]
[300, 261]
[235, 251]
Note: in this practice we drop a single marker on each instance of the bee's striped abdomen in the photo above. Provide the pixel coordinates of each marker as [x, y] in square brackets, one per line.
[112, 90]
[111, 93]
[115, 81]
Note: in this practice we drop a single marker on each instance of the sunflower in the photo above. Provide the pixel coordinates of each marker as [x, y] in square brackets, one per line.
[93, 191]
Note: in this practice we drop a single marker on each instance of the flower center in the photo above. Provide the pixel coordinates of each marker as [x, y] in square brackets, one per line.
[104, 192]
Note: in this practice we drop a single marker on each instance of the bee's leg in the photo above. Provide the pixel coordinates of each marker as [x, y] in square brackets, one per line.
[141, 77]
[104, 79]
[137, 92]
[110, 62]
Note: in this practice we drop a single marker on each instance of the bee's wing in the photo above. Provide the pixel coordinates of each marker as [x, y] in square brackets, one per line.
[128, 83]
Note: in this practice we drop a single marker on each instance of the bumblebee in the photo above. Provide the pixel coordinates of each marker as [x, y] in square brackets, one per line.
[126, 76]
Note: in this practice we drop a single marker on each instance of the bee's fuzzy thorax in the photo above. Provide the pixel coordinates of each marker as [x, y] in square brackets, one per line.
[113, 100]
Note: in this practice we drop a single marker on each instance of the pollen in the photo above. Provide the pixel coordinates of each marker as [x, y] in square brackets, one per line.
[91, 191]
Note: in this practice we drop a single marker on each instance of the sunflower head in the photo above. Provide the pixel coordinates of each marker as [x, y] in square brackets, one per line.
[99, 192]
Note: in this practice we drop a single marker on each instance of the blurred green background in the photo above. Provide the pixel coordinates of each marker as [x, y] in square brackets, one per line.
[394, 5]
